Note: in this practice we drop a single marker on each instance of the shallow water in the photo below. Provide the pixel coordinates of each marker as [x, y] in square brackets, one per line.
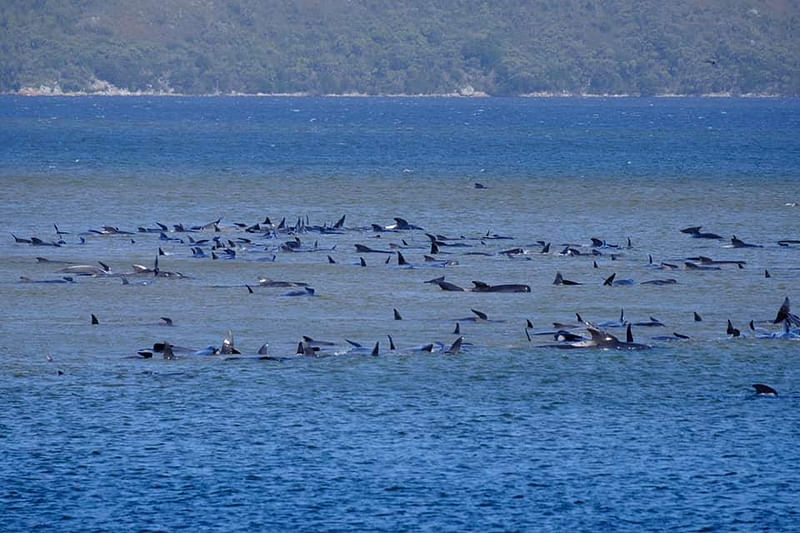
[508, 434]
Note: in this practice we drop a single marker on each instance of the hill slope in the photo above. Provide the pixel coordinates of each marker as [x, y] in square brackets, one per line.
[501, 47]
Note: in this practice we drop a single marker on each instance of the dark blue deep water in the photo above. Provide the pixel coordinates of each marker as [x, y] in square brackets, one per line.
[509, 434]
[343, 137]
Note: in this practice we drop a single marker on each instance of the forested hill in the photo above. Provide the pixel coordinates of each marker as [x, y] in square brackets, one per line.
[498, 47]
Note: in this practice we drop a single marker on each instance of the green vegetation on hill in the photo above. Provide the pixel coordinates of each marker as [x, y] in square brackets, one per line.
[500, 47]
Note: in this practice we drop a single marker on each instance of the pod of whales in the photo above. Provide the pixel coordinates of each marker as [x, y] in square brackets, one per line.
[268, 242]
[599, 339]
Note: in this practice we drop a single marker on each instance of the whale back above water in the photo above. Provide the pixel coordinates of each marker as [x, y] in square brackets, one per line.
[764, 390]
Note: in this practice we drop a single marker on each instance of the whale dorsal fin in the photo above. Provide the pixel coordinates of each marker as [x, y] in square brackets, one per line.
[455, 347]
[764, 389]
[783, 312]
[480, 314]
[596, 333]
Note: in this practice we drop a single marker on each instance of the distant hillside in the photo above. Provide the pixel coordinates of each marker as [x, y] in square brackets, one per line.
[499, 47]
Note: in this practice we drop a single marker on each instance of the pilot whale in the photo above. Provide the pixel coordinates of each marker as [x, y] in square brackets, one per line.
[455, 348]
[445, 285]
[228, 347]
[561, 281]
[480, 316]
[694, 232]
[362, 249]
[764, 390]
[738, 243]
[785, 314]
[602, 340]
[399, 224]
[86, 270]
[480, 286]
[64, 279]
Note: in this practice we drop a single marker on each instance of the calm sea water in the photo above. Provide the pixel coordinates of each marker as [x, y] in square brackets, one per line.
[506, 435]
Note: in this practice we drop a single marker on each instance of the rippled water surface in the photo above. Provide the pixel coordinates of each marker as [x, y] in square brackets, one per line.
[508, 434]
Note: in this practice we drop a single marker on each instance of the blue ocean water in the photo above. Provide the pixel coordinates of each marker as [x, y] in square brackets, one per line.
[508, 434]
[288, 137]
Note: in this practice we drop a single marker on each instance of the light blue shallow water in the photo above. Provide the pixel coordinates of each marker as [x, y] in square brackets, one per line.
[507, 435]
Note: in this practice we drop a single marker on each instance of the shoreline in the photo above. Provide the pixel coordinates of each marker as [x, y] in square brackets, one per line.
[45, 91]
